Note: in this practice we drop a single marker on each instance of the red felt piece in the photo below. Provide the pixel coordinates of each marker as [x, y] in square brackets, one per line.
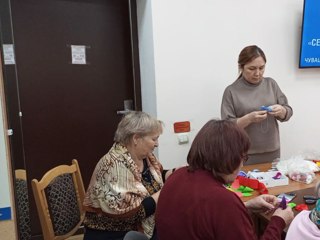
[248, 182]
[301, 207]
[253, 183]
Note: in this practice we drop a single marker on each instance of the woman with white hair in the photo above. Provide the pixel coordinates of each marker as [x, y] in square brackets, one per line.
[126, 183]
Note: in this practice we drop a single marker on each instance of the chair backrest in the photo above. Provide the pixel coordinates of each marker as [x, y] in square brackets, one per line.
[22, 204]
[59, 196]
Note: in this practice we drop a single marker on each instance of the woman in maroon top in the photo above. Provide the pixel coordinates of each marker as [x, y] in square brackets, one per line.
[194, 203]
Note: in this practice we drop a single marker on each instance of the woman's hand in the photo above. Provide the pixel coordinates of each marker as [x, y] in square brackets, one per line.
[169, 172]
[278, 111]
[253, 117]
[268, 203]
[155, 196]
[257, 116]
[262, 203]
[286, 214]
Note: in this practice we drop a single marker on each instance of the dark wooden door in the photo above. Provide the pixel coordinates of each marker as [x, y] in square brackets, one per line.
[70, 110]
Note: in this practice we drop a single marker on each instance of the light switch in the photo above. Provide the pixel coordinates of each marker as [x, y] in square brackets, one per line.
[183, 138]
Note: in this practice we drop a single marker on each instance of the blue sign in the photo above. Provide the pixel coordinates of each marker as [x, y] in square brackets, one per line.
[5, 213]
[310, 35]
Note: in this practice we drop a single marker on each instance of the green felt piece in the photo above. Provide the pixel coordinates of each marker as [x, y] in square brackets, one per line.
[247, 190]
[291, 204]
[245, 194]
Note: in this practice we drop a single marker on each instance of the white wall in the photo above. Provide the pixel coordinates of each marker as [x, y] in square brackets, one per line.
[148, 88]
[4, 189]
[195, 45]
[5, 200]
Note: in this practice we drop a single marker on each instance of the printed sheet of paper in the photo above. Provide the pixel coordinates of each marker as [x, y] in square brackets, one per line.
[78, 53]
[8, 54]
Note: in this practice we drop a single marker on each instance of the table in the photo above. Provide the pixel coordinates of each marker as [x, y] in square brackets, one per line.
[301, 189]
[297, 200]
[293, 185]
[261, 220]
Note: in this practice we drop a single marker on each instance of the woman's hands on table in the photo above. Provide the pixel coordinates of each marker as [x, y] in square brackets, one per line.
[268, 203]
[286, 214]
[262, 203]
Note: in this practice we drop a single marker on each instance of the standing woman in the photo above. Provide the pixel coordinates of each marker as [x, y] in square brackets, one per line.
[256, 103]
[125, 185]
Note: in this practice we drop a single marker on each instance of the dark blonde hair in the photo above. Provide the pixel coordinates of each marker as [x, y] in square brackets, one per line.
[136, 122]
[248, 54]
[219, 147]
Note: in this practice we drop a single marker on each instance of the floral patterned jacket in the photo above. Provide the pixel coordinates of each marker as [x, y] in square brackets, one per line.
[116, 190]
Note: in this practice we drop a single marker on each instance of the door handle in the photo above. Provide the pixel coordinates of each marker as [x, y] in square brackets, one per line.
[128, 107]
[121, 112]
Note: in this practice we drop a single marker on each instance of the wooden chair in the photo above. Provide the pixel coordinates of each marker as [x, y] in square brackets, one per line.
[59, 196]
[22, 204]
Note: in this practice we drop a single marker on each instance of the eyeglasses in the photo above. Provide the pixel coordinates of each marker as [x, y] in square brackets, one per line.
[245, 157]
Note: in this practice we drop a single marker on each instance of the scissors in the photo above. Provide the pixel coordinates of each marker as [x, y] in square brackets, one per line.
[310, 199]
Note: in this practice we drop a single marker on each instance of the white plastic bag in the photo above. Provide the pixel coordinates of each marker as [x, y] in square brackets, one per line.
[298, 169]
[301, 171]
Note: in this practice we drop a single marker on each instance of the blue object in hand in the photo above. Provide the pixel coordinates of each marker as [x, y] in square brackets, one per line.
[268, 109]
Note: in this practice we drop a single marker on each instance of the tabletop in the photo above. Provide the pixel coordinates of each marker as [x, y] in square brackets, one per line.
[291, 187]
[300, 189]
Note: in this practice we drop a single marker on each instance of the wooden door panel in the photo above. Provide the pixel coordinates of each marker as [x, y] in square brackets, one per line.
[69, 111]
[60, 101]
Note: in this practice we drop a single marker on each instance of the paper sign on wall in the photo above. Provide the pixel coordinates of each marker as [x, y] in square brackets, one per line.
[78, 53]
[180, 127]
[8, 54]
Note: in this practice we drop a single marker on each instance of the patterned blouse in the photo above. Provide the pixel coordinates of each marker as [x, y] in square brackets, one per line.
[118, 194]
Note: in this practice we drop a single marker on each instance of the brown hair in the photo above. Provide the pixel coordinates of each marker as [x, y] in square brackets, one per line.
[219, 147]
[248, 54]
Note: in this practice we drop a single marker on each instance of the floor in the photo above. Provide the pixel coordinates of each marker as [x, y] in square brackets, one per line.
[7, 230]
